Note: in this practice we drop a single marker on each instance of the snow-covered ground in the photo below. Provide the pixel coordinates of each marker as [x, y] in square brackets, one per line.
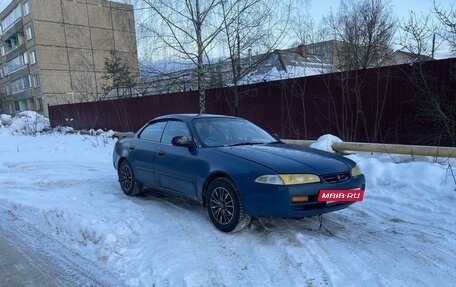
[64, 185]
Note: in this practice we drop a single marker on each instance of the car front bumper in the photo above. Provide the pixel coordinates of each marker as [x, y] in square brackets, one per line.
[276, 201]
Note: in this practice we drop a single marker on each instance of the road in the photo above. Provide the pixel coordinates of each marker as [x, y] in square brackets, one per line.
[31, 258]
[18, 270]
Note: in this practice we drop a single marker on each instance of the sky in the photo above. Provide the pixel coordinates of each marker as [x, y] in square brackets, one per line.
[322, 8]
[3, 4]
[401, 9]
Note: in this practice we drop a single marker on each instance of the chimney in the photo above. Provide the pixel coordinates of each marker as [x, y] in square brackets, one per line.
[302, 50]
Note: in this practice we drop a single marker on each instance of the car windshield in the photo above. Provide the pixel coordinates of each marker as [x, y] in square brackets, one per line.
[230, 132]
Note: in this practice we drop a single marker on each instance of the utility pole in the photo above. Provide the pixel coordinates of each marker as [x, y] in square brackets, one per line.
[433, 45]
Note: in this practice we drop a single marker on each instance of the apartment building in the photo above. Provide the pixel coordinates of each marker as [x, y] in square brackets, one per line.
[53, 51]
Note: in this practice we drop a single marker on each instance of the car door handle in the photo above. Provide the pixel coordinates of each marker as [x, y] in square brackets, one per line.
[132, 147]
[160, 152]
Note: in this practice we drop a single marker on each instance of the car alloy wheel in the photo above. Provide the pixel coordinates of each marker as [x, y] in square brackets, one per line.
[222, 206]
[225, 207]
[127, 179]
[125, 174]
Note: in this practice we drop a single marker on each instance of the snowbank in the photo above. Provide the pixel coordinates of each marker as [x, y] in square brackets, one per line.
[26, 123]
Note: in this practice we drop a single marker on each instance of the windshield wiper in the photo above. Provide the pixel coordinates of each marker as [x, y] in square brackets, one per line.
[246, 143]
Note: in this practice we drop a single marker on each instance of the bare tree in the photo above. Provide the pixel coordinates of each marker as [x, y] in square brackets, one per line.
[84, 81]
[366, 29]
[304, 29]
[302, 25]
[255, 24]
[436, 100]
[189, 28]
[448, 20]
[417, 33]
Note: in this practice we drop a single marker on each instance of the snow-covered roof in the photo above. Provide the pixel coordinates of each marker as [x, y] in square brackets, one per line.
[286, 64]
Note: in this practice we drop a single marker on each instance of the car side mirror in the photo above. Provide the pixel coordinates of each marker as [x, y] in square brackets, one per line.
[182, 141]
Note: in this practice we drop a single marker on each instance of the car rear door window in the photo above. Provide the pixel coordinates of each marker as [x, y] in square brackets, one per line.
[153, 132]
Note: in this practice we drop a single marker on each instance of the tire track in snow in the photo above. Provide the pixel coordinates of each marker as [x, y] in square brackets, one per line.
[272, 262]
[59, 262]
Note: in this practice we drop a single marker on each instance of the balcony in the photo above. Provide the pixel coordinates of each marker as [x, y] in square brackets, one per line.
[11, 44]
[13, 28]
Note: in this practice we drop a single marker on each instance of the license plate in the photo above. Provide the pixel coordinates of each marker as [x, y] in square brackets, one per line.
[341, 195]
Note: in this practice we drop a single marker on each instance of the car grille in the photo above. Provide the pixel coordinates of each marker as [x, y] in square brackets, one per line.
[335, 178]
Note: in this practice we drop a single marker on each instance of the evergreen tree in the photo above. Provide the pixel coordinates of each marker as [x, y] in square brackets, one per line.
[117, 74]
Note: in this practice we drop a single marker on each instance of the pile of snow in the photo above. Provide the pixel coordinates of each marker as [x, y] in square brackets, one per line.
[32, 123]
[401, 234]
[5, 120]
[26, 123]
[325, 142]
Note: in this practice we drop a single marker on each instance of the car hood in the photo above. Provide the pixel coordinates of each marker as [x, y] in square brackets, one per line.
[285, 158]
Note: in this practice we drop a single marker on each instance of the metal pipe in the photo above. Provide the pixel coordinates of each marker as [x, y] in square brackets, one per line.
[434, 151]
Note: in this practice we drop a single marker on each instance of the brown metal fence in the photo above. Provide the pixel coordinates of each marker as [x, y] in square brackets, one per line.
[373, 105]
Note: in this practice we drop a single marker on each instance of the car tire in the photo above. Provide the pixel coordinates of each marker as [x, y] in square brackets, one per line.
[127, 179]
[225, 207]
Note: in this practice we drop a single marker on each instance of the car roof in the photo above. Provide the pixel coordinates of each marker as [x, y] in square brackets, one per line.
[187, 117]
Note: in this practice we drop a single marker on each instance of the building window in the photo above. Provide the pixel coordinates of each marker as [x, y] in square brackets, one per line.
[2, 51]
[11, 18]
[20, 85]
[28, 32]
[32, 57]
[16, 63]
[13, 42]
[21, 105]
[36, 80]
[26, 8]
[39, 104]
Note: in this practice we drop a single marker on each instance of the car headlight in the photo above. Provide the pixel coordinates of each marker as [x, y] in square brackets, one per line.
[355, 171]
[287, 179]
[269, 179]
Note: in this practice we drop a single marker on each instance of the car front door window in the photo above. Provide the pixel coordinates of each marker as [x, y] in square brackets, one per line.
[153, 132]
[173, 129]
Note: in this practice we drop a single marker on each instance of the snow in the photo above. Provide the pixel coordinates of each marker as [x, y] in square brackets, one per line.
[274, 74]
[402, 234]
[26, 122]
[325, 142]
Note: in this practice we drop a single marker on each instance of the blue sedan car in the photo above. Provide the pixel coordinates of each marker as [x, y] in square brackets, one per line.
[233, 168]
